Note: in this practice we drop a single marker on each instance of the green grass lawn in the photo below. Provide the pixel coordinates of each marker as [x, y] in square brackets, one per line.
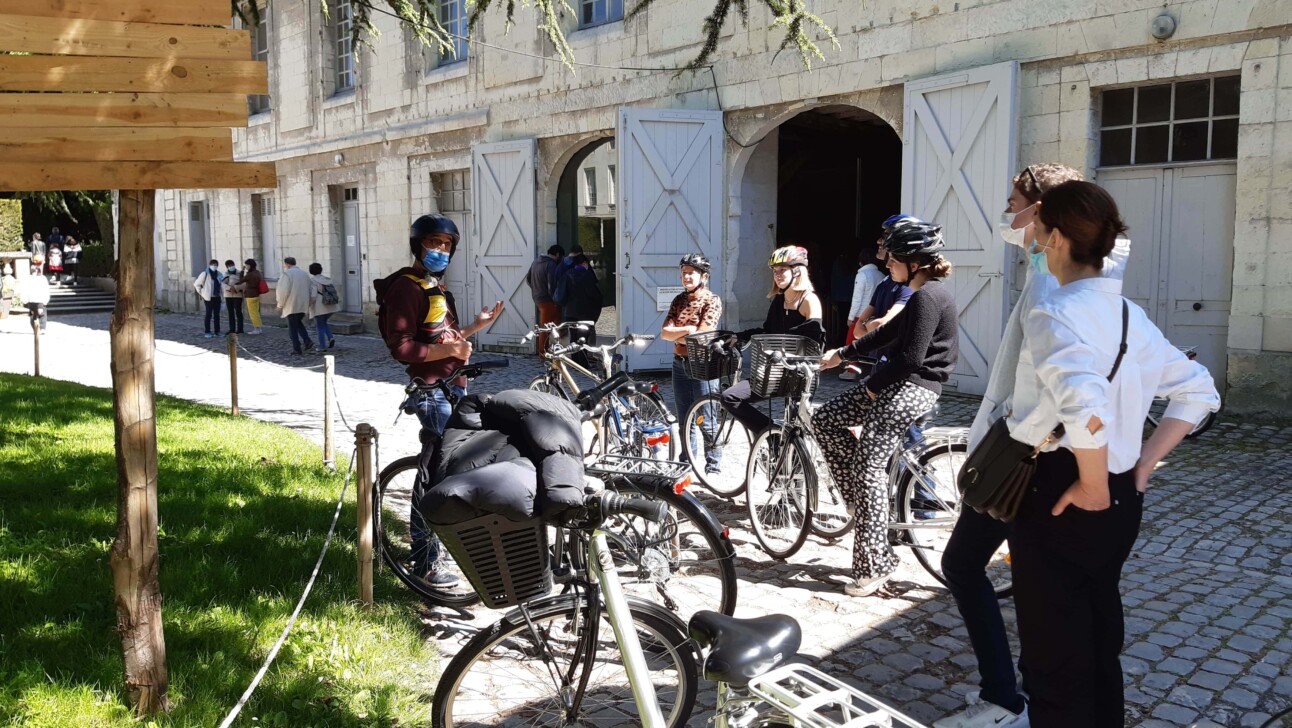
[244, 508]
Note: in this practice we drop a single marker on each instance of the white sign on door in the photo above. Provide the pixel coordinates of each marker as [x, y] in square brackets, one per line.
[349, 241]
[664, 296]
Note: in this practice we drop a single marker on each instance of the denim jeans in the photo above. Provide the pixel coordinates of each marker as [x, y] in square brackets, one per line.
[212, 315]
[964, 564]
[433, 411]
[296, 329]
[324, 331]
[685, 392]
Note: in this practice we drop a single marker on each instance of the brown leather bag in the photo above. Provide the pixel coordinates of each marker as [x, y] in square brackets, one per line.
[996, 474]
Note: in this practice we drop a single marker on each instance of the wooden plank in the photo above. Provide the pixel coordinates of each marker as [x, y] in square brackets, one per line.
[29, 34]
[38, 176]
[122, 110]
[116, 144]
[178, 12]
[94, 73]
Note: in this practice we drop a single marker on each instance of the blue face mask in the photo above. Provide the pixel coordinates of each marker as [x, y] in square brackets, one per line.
[435, 260]
[1037, 257]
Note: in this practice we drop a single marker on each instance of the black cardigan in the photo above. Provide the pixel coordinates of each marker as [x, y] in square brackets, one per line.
[927, 336]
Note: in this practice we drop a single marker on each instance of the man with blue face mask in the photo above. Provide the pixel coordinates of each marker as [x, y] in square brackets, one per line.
[418, 319]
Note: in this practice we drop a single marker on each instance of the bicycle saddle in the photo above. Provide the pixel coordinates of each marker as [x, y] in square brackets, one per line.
[923, 420]
[743, 649]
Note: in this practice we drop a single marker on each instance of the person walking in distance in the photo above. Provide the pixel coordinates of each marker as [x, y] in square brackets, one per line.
[542, 282]
[580, 297]
[37, 248]
[294, 303]
[54, 255]
[253, 287]
[232, 288]
[418, 320]
[72, 259]
[693, 310]
[208, 285]
[324, 302]
[35, 296]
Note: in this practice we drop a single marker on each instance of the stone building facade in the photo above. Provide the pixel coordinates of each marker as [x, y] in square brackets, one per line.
[928, 109]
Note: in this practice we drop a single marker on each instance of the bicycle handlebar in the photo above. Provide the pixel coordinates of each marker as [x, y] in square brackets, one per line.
[551, 328]
[470, 371]
[613, 504]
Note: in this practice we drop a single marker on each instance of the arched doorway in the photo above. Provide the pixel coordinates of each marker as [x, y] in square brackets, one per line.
[585, 216]
[824, 179]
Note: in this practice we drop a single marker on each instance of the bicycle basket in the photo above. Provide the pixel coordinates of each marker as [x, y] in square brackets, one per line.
[770, 379]
[505, 561]
[700, 361]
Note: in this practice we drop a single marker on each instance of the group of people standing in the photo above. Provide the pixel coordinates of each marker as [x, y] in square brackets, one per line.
[1061, 362]
[298, 295]
[565, 288]
[57, 257]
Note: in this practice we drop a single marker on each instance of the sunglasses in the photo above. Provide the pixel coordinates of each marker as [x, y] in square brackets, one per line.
[1035, 182]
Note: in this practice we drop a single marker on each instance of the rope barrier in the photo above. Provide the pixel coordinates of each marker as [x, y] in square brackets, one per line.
[291, 622]
[160, 350]
[336, 399]
[251, 354]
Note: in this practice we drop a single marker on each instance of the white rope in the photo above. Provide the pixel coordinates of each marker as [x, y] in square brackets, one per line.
[291, 622]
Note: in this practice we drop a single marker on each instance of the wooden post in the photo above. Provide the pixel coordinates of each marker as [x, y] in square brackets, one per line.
[35, 339]
[134, 553]
[329, 368]
[363, 438]
[233, 373]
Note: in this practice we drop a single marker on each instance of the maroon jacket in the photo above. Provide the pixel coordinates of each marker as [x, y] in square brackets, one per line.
[413, 315]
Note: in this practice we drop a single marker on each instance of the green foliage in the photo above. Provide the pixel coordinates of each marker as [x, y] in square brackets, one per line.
[244, 507]
[96, 260]
[10, 225]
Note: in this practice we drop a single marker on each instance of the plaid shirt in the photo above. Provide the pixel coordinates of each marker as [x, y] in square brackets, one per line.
[702, 309]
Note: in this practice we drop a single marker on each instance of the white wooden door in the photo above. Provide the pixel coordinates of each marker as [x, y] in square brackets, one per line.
[504, 242]
[1181, 222]
[271, 263]
[958, 145]
[352, 250]
[670, 204]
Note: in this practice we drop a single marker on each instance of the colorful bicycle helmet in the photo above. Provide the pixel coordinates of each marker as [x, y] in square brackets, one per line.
[914, 237]
[696, 261]
[790, 255]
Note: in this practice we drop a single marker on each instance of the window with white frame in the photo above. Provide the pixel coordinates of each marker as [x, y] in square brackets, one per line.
[610, 185]
[1183, 121]
[342, 46]
[453, 16]
[260, 52]
[590, 186]
[599, 12]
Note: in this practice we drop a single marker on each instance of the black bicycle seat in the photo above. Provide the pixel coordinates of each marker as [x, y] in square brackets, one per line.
[743, 649]
[923, 420]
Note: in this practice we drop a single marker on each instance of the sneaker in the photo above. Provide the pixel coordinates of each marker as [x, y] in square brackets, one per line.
[210, 335]
[982, 713]
[439, 577]
[253, 332]
[848, 375]
[309, 346]
[297, 353]
[331, 344]
[864, 587]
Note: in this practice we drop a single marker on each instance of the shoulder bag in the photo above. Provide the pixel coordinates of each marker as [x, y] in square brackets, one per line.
[996, 474]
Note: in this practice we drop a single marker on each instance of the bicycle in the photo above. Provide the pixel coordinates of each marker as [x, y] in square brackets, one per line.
[636, 421]
[728, 434]
[1158, 409]
[923, 495]
[537, 665]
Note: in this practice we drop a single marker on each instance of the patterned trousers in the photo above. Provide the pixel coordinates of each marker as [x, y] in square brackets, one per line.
[859, 463]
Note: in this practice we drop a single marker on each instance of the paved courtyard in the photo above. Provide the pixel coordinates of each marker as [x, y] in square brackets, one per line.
[1208, 590]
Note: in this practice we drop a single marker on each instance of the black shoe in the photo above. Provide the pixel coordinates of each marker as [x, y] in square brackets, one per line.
[296, 353]
[331, 344]
[309, 346]
[438, 576]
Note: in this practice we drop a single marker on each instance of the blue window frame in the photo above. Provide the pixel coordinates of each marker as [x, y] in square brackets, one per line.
[600, 12]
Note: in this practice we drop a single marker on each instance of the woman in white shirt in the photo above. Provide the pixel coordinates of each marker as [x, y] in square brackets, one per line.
[1079, 520]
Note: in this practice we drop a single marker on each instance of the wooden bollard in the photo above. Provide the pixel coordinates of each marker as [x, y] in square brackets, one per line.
[35, 337]
[329, 369]
[233, 373]
[364, 435]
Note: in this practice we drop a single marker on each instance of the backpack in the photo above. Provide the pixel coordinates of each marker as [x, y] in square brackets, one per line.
[327, 292]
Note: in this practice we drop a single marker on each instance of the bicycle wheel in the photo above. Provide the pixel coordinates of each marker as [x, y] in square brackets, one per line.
[508, 674]
[687, 562]
[928, 498]
[730, 437]
[637, 425]
[542, 383]
[1158, 410]
[395, 520]
[830, 518]
[779, 479]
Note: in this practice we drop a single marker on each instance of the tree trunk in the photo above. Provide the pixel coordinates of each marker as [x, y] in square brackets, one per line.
[134, 553]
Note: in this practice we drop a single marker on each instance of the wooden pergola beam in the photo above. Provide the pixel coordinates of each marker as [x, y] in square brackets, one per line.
[76, 73]
[177, 12]
[122, 110]
[36, 34]
[41, 176]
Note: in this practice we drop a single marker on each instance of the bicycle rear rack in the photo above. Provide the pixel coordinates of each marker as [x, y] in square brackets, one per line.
[813, 699]
[610, 466]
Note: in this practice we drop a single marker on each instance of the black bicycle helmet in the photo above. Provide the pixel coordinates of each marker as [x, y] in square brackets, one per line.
[914, 237]
[696, 261]
[432, 224]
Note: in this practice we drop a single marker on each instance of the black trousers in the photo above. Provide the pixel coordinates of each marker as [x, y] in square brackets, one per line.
[233, 305]
[739, 400]
[1067, 575]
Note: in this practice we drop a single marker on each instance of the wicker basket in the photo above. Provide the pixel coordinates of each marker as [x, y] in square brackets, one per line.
[700, 361]
[507, 562]
[769, 379]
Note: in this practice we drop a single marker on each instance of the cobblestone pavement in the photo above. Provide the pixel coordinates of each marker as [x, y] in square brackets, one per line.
[1208, 591]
